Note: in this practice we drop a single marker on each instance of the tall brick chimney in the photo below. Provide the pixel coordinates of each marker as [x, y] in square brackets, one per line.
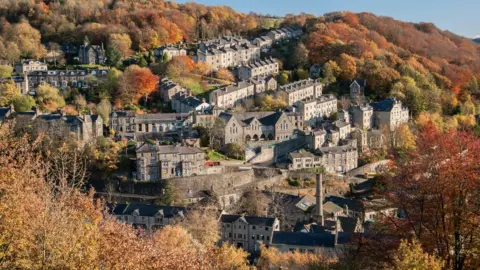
[319, 200]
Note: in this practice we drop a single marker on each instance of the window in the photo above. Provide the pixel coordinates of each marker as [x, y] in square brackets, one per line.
[230, 235]
[268, 238]
[239, 235]
[253, 227]
[266, 228]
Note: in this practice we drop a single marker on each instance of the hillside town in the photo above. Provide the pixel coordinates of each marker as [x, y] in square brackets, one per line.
[248, 135]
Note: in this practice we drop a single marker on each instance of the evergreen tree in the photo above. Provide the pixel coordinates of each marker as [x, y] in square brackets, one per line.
[113, 57]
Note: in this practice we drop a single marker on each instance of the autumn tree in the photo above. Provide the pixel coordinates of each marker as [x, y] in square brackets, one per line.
[224, 74]
[439, 181]
[8, 92]
[180, 66]
[136, 82]
[121, 42]
[5, 71]
[331, 71]
[104, 108]
[209, 233]
[347, 66]
[410, 255]
[49, 98]
[404, 138]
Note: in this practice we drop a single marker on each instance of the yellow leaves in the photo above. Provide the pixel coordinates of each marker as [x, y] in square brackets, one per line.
[269, 103]
[405, 138]
[410, 255]
[271, 258]
[8, 92]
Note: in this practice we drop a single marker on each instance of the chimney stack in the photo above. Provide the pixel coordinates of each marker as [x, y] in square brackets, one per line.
[336, 231]
[319, 199]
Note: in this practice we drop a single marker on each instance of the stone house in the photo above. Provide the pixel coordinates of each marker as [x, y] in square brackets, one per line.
[389, 113]
[263, 83]
[61, 79]
[265, 67]
[285, 33]
[169, 88]
[264, 42]
[255, 126]
[305, 160]
[149, 217]
[91, 54]
[26, 66]
[226, 52]
[129, 124]
[357, 89]
[183, 103]
[343, 128]
[317, 109]
[301, 90]
[362, 116]
[155, 162]
[248, 232]
[170, 51]
[229, 96]
[85, 128]
[339, 158]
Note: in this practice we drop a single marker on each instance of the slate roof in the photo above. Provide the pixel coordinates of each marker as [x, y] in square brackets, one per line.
[252, 220]
[232, 88]
[331, 208]
[167, 149]
[96, 72]
[295, 86]
[146, 210]
[261, 63]
[4, 111]
[265, 118]
[361, 82]
[303, 239]
[336, 149]
[354, 205]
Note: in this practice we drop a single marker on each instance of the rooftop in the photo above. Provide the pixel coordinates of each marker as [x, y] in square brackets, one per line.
[167, 149]
[298, 85]
[147, 210]
[252, 220]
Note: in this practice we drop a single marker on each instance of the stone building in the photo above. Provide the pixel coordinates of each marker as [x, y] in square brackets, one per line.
[389, 113]
[169, 88]
[148, 217]
[264, 42]
[248, 232]
[61, 79]
[169, 51]
[183, 103]
[314, 110]
[362, 116]
[335, 159]
[226, 52]
[255, 126]
[357, 89]
[263, 67]
[301, 90]
[229, 96]
[26, 66]
[285, 33]
[132, 125]
[89, 54]
[155, 162]
[263, 83]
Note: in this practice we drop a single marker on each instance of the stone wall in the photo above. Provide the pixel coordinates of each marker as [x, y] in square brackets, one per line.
[372, 167]
[282, 149]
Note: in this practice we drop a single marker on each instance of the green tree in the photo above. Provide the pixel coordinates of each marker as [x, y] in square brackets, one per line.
[283, 78]
[23, 103]
[49, 98]
[8, 92]
[234, 150]
[143, 62]
[5, 71]
[113, 56]
[302, 74]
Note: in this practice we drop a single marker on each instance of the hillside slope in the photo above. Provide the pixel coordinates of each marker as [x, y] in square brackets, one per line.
[414, 62]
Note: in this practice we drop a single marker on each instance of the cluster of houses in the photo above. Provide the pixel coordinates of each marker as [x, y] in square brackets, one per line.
[314, 224]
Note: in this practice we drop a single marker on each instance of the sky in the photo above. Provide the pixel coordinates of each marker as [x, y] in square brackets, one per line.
[459, 16]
